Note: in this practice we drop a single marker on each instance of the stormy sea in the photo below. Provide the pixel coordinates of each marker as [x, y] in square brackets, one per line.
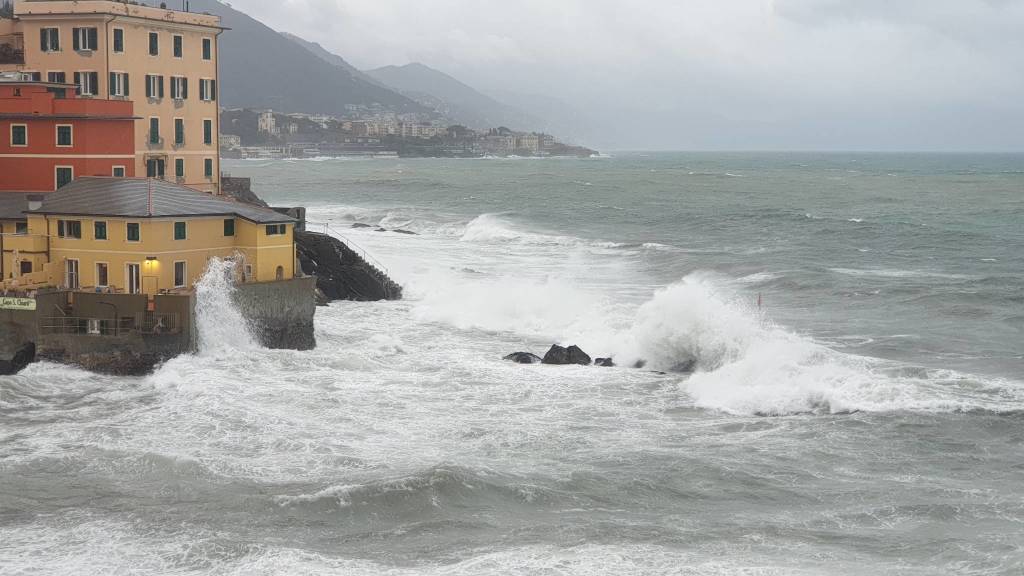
[857, 406]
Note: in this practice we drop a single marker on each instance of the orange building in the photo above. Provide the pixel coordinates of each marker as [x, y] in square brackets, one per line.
[164, 61]
[48, 136]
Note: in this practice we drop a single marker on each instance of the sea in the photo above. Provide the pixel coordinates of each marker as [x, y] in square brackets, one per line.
[857, 407]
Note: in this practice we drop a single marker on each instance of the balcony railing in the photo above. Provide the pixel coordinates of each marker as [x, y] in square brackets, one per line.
[12, 49]
[145, 324]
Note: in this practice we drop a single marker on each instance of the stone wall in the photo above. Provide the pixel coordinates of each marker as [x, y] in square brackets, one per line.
[281, 313]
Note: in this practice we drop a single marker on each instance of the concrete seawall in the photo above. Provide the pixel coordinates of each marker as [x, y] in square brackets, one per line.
[281, 313]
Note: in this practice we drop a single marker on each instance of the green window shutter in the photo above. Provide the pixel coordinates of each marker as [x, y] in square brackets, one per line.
[149, 86]
[111, 82]
[44, 40]
[160, 82]
[213, 89]
[95, 77]
[126, 92]
[76, 44]
[94, 39]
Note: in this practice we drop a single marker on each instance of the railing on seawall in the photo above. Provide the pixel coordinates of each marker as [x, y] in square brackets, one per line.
[329, 231]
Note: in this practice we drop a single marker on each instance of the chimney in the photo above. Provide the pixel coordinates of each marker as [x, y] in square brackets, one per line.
[35, 202]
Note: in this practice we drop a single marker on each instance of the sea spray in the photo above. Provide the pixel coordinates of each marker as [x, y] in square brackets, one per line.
[221, 325]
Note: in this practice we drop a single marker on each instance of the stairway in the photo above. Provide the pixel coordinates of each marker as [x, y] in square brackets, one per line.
[342, 272]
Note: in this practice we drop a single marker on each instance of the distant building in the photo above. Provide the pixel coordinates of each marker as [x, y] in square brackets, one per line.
[266, 123]
[528, 142]
[230, 141]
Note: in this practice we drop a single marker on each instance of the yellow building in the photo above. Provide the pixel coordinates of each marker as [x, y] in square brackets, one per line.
[165, 61]
[143, 235]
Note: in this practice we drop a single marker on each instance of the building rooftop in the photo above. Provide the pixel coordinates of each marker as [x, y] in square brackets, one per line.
[14, 204]
[147, 198]
[23, 8]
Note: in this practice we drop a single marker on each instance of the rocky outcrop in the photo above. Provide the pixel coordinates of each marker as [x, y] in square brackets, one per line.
[341, 273]
[604, 362]
[565, 356]
[16, 351]
[524, 358]
[685, 367]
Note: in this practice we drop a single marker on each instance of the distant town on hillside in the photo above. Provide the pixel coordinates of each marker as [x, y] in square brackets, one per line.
[247, 133]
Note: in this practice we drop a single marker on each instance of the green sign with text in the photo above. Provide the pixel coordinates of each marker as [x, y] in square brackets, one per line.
[9, 303]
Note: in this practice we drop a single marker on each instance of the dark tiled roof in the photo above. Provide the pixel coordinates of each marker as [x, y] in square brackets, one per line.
[147, 198]
[14, 204]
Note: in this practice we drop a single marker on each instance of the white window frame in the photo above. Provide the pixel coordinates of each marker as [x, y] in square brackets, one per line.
[85, 77]
[153, 84]
[205, 89]
[128, 286]
[124, 41]
[139, 241]
[13, 145]
[48, 42]
[56, 135]
[56, 169]
[97, 273]
[118, 83]
[113, 173]
[78, 273]
[177, 87]
[83, 40]
[173, 37]
[184, 273]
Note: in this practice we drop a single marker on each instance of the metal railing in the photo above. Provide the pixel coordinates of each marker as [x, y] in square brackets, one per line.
[329, 231]
[143, 323]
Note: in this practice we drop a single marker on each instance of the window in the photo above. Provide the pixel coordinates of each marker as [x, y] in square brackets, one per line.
[69, 229]
[179, 88]
[63, 175]
[21, 228]
[56, 77]
[118, 40]
[87, 82]
[154, 130]
[207, 49]
[208, 132]
[155, 168]
[49, 39]
[178, 50]
[179, 230]
[65, 136]
[71, 274]
[179, 131]
[229, 226]
[179, 274]
[118, 172]
[35, 76]
[208, 168]
[102, 275]
[99, 230]
[26, 267]
[154, 86]
[277, 229]
[132, 232]
[154, 44]
[179, 168]
[207, 90]
[85, 39]
[19, 135]
[119, 84]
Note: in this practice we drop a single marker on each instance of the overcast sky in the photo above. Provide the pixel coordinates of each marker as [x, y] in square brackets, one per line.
[713, 74]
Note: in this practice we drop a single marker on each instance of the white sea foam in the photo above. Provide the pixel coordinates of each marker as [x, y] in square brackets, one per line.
[221, 326]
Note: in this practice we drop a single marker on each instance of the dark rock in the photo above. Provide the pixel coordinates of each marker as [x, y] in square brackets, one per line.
[564, 356]
[524, 358]
[361, 225]
[401, 231]
[639, 364]
[16, 351]
[604, 362]
[341, 273]
[684, 367]
[381, 229]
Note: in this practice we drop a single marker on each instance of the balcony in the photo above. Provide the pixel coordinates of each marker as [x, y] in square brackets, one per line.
[12, 49]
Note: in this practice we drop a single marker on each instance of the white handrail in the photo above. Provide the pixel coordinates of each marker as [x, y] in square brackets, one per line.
[329, 231]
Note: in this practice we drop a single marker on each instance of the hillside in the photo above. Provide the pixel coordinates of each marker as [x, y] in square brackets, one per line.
[261, 68]
[454, 99]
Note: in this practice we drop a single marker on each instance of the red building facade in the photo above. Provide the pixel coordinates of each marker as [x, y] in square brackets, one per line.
[48, 136]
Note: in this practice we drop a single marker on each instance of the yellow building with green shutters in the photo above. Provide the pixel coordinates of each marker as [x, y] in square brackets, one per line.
[143, 236]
